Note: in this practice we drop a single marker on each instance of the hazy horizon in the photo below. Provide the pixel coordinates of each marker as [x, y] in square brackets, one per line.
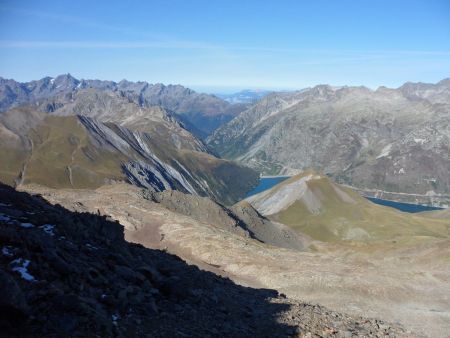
[215, 47]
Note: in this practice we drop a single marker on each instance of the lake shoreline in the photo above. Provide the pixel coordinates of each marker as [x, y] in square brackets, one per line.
[267, 182]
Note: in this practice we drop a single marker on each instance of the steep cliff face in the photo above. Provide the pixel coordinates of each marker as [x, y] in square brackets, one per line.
[396, 140]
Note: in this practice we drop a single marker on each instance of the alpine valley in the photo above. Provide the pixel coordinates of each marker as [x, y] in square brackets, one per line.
[124, 211]
[387, 143]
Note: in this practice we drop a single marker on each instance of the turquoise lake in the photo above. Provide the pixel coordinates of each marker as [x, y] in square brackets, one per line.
[268, 182]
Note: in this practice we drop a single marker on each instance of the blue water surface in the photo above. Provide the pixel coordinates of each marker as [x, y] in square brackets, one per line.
[406, 207]
[266, 183]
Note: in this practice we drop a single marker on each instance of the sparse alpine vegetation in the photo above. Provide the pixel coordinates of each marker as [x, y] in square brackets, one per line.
[314, 205]
[91, 137]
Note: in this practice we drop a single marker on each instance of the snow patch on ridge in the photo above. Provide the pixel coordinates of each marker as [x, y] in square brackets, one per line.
[20, 265]
[420, 141]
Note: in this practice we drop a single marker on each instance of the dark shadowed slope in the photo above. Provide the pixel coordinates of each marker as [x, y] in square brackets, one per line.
[64, 273]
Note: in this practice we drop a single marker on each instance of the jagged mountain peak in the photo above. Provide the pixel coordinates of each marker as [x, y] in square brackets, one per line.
[202, 112]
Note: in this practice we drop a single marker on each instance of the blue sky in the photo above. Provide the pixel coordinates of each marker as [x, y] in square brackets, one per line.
[227, 45]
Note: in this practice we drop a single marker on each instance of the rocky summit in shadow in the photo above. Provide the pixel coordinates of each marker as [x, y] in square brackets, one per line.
[64, 273]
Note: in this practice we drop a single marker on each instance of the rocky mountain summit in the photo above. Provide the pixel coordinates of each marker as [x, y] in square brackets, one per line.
[68, 273]
[391, 140]
[202, 113]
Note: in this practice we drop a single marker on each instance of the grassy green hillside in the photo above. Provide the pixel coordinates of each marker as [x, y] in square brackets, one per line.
[79, 152]
[314, 205]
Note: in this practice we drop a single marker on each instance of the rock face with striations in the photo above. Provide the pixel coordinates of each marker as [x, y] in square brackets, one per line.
[93, 137]
[395, 140]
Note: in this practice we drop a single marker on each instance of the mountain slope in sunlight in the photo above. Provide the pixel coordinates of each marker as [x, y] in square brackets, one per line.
[314, 205]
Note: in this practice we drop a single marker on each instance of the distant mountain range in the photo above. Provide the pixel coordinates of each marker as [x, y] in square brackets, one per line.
[67, 134]
[391, 143]
[384, 140]
[201, 113]
[245, 96]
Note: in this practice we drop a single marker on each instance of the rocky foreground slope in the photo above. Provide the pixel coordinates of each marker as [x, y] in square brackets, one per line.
[67, 273]
[389, 140]
[397, 281]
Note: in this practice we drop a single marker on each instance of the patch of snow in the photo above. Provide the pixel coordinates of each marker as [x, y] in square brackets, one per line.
[420, 140]
[385, 151]
[52, 80]
[115, 317]
[401, 171]
[4, 218]
[90, 246]
[20, 265]
[48, 229]
[6, 251]
[5, 205]
[27, 225]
